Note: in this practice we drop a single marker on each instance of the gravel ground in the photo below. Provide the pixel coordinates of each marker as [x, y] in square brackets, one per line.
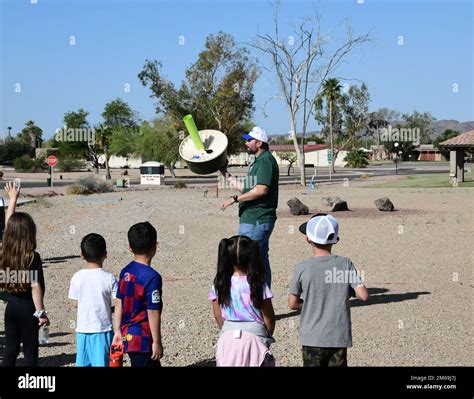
[417, 263]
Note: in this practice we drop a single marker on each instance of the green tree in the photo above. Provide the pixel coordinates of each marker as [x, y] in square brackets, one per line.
[331, 93]
[126, 143]
[67, 148]
[72, 148]
[217, 91]
[423, 121]
[118, 117]
[349, 115]
[290, 157]
[356, 159]
[14, 148]
[377, 121]
[154, 141]
[355, 105]
[404, 149]
[31, 134]
[160, 141]
[447, 134]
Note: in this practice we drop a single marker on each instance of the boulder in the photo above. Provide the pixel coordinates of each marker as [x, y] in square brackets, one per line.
[337, 204]
[384, 204]
[340, 205]
[297, 207]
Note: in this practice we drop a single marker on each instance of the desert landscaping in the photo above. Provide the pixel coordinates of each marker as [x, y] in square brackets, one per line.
[416, 261]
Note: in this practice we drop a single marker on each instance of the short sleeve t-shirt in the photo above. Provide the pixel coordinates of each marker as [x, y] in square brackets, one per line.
[264, 170]
[93, 289]
[140, 289]
[242, 308]
[324, 283]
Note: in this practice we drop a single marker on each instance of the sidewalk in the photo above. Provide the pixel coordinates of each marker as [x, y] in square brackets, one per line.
[20, 202]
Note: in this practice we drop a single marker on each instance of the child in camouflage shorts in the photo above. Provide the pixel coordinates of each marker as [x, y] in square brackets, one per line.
[326, 282]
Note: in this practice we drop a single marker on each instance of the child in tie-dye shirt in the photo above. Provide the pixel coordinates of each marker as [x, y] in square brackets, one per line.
[241, 299]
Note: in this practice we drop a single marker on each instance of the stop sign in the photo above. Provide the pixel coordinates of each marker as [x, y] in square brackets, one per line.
[52, 160]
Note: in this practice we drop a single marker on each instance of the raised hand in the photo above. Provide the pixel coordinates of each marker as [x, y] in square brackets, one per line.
[12, 190]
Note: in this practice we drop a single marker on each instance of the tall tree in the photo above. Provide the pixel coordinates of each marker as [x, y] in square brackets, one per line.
[447, 134]
[217, 91]
[345, 116]
[155, 141]
[31, 134]
[160, 141]
[290, 157]
[378, 120]
[118, 116]
[423, 121]
[83, 147]
[301, 63]
[331, 92]
[356, 112]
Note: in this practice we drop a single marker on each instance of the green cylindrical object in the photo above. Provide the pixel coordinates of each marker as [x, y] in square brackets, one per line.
[193, 132]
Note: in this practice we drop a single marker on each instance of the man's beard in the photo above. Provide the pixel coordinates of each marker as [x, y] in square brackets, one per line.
[250, 151]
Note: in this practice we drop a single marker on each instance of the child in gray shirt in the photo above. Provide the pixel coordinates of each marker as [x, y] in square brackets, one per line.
[321, 288]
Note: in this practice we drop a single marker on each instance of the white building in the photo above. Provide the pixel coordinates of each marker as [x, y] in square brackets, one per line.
[121, 162]
[315, 154]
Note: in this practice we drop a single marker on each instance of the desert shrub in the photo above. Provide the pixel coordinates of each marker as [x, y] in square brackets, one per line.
[89, 185]
[26, 164]
[69, 164]
[356, 159]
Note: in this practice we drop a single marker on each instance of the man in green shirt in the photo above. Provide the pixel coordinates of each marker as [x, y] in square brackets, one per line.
[259, 198]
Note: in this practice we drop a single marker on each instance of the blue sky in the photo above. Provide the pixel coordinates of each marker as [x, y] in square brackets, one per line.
[114, 37]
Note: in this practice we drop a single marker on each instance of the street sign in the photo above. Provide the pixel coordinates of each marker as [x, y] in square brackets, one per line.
[52, 160]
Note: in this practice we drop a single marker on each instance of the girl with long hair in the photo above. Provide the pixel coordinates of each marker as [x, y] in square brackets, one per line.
[241, 299]
[21, 285]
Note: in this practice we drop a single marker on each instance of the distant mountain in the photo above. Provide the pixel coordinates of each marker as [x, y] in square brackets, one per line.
[439, 128]
[442, 125]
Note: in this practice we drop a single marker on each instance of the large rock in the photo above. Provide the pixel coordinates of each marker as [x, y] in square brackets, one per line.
[384, 204]
[340, 205]
[297, 207]
[337, 204]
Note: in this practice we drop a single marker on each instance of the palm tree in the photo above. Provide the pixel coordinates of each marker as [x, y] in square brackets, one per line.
[331, 92]
[104, 134]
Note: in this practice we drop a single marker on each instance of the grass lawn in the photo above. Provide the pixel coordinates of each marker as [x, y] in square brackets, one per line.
[425, 181]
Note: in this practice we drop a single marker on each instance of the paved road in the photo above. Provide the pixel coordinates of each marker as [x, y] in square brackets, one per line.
[322, 174]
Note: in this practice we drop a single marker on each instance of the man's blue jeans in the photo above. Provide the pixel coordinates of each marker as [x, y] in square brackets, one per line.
[260, 232]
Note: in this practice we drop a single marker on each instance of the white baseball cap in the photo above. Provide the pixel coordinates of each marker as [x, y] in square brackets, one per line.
[256, 133]
[320, 227]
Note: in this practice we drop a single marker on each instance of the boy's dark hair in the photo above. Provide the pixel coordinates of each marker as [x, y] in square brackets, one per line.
[327, 247]
[93, 247]
[265, 146]
[245, 253]
[142, 238]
